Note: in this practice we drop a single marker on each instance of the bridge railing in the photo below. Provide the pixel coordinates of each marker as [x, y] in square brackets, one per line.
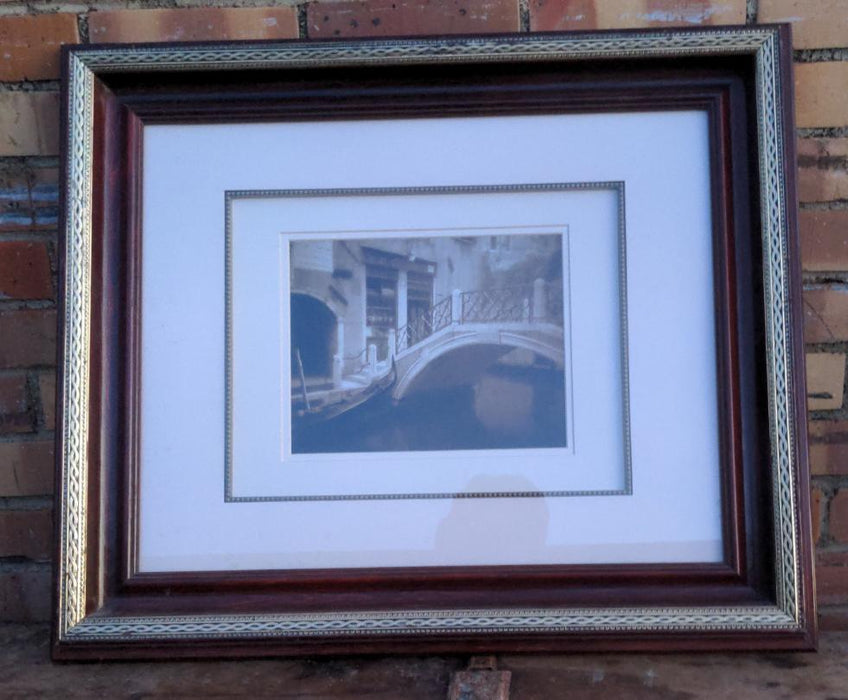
[439, 316]
[540, 301]
[493, 305]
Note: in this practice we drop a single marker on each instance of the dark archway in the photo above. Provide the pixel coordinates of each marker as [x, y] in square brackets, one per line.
[313, 334]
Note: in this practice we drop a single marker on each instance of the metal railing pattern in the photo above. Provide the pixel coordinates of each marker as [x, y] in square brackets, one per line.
[499, 305]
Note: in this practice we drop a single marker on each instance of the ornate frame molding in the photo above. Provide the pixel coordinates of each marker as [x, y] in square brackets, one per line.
[74, 624]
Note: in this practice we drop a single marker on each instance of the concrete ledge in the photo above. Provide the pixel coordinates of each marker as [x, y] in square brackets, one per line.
[26, 671]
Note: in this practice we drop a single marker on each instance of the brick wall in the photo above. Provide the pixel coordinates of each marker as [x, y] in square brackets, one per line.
[30, 36]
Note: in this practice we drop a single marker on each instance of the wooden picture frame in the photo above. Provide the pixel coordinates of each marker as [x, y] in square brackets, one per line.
[128, 112]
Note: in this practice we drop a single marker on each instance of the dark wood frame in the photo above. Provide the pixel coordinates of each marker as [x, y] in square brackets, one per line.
[128, 95]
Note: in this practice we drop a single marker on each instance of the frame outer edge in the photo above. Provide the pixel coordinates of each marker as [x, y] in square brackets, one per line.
[73, 453]
[72, 624]
[779, 352]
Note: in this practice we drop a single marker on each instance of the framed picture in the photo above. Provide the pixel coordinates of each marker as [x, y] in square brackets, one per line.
[461, 344]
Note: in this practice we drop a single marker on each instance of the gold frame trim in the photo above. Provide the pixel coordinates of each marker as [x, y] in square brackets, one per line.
[85, 64]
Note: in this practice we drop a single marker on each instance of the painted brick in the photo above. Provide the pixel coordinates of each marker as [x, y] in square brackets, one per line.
[824, 239]
[16, 415]
[25, 596]
[822, 169]
[407, 17]
[825, 315]
[29, 338]
[24, 271]
[44, 195]
[815, 23]
[823, 148]
[26, 533]
[47, 392]
[817, 501]
[820, 95]
[29, 123]
[26, 468]
[31, 45]
[193, 24]
[838, 518]
[15, 203]
[552, 15]
[828, 447]
[825, 380]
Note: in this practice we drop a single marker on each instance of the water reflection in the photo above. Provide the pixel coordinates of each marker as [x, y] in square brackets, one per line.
[508, 406]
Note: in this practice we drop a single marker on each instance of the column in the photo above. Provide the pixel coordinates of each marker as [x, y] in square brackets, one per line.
[540, 301]
[392, 344]
[372, 359]
[402, 299]
[456, 306]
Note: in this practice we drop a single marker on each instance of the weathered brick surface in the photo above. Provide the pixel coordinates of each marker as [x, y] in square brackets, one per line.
[815, 23]
[822, 169]
[406, 17]
[832, 583]
[44, 196]
[817, 501]
[193, 24]
[24, 271]
[29, 123]
[25, 596]
[26, 468]
[825, 380]
[31, 45]
[47, 394]
[828, 447]
[26, 533]
[826, 315]
[824, 239]
[551, 15]
[15, 202]
[16, 415]
[820, 95]
[838, 520]
[28, 338]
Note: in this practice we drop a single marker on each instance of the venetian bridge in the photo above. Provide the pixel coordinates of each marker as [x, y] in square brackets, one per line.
[455, 342]
[468, 331]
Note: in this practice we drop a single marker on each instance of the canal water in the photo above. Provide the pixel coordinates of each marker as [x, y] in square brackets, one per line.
[508, 407]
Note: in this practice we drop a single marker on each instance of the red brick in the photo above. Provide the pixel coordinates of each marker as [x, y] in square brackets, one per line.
[828, 447]
[831, 584]
[16, 415]
[825, 315]
[24, 271]
[815, 23]
[817, 499]
[26, 468]
[833, 619]
[29, 123]
[838, 518]
[25, 596]
[824, 240]
[552, 15]
[26, 533]
[31, 45]
[27, 338]
[47, 390]
[820, 95]
[408, 17]
[193, 24]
